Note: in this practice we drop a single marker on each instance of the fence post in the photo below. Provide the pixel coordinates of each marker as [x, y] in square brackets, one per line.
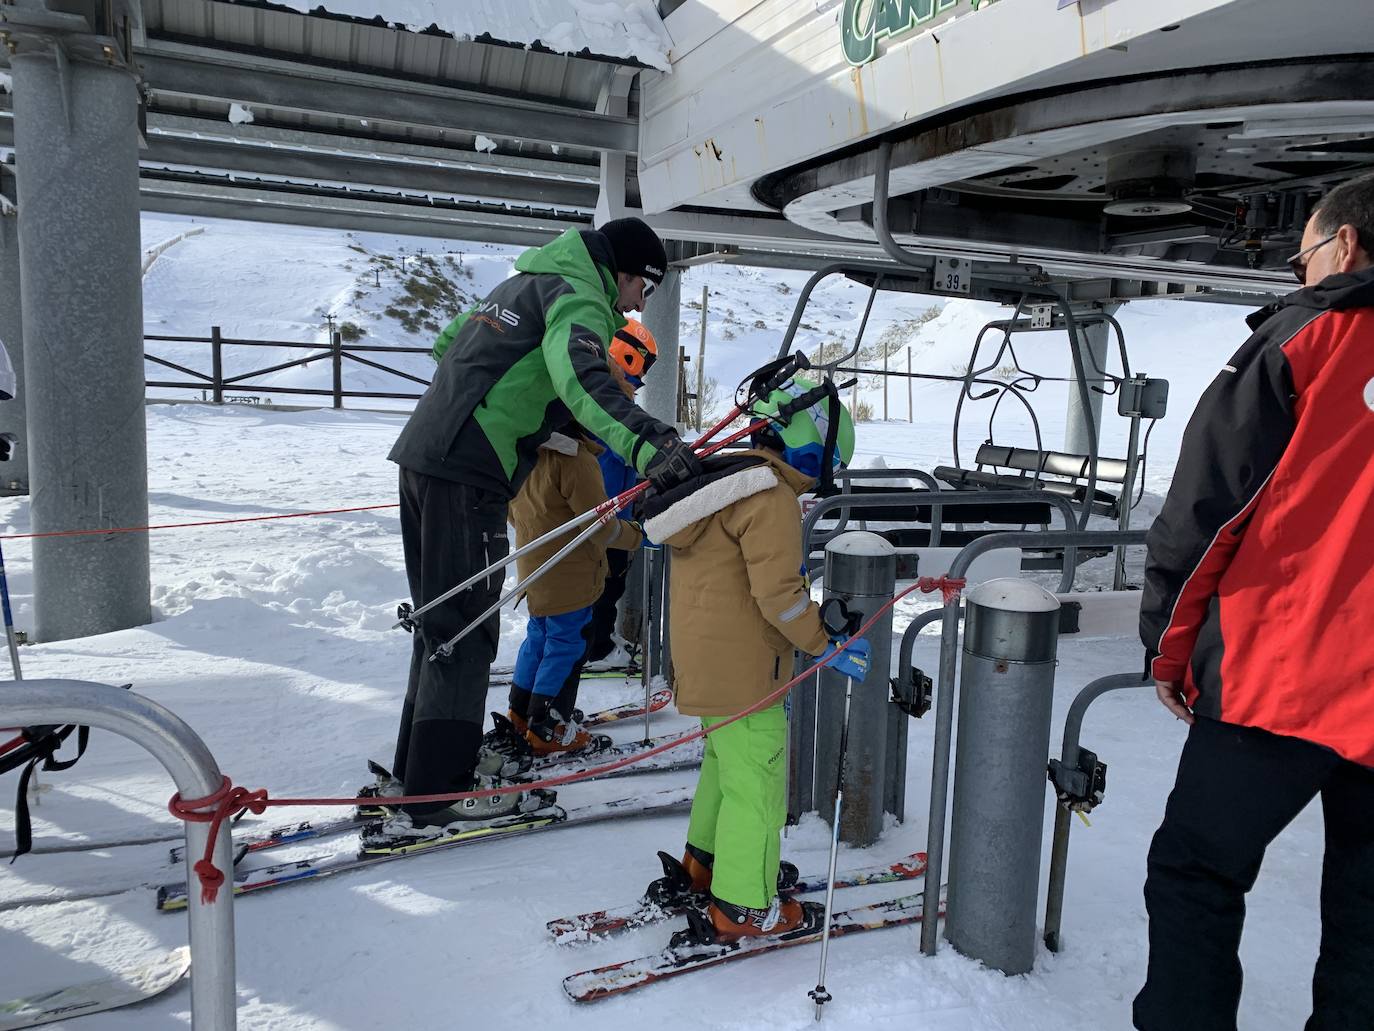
[336, 360]
[217, 365]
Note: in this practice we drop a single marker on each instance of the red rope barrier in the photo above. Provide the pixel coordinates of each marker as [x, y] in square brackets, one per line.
[12, 744]
[184, 526]
[229, 800]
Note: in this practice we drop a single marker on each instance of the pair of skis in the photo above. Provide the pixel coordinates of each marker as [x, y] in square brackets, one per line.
[674, 961]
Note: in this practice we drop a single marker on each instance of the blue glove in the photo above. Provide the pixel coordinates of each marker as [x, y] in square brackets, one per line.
[853, 661]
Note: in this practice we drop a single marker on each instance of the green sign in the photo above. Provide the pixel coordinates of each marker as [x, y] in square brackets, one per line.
[864, 22]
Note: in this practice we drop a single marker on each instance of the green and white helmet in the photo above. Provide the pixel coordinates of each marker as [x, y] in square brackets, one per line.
[800, 413]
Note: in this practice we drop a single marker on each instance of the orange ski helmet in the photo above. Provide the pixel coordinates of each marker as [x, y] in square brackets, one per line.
[634, 349]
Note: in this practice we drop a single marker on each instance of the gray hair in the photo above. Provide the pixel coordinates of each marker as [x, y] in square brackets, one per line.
[1351, 203]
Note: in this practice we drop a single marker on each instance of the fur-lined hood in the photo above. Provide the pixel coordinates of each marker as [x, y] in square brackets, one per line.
[679, 517]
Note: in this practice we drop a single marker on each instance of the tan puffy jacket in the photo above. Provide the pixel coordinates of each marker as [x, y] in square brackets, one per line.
[739, 604]
[565, 482]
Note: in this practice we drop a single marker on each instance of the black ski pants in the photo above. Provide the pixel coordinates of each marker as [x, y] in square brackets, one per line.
[604, 609]
[1237, 788]
[449, 531]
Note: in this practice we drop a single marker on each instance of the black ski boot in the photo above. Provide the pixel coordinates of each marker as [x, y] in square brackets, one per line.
[504, 752]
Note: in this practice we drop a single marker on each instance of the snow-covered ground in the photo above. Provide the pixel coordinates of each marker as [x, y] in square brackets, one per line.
[272, 640]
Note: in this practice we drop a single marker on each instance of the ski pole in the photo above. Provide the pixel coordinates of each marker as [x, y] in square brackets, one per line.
[9, 619]
[782, 371]
[613, 505]
[646, 620]
[447, 647]
[818, 994]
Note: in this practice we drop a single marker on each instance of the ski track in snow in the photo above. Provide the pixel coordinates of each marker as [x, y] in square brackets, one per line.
[272, 640]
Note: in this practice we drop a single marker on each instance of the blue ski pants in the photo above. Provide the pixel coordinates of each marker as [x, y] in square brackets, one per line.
[553, 647]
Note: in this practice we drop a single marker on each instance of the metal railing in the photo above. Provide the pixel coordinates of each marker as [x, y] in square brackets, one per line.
[336, 352]
[196, 775]
[945, 688]
[956, 499]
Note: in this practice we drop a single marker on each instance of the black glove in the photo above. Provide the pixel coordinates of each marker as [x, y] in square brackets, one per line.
[674, 464]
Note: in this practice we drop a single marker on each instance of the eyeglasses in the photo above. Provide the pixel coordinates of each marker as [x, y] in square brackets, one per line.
[1298, 262]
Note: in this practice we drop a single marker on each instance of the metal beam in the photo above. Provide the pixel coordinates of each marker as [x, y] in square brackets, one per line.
[358, 169]
[209, 74]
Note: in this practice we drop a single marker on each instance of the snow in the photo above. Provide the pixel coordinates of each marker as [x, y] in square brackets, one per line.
[6, 82]
[273, 641]
[239, 114]
[484, 143]
[613, 28]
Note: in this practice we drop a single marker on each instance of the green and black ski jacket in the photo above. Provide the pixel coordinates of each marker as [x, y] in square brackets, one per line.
[519, 365]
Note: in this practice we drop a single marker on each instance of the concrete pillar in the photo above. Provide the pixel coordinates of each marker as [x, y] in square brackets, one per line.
[661, 316]
[14, 475]
[861, 568]
[76, 139]
[1092, 345]
[1006, 690]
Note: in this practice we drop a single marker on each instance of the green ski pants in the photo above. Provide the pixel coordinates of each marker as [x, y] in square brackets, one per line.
[741, 805]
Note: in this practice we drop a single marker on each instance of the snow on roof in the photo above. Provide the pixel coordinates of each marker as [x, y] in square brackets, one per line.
[611, 28]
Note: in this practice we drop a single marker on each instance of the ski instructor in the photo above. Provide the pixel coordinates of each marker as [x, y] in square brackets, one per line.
[530, 357]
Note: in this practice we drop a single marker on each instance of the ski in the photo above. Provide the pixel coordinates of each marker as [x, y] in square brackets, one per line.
[502, 678]
[660, 699]
[603, 982]
[588, 926]
[172, 897]
[686, 758]
[107, 993]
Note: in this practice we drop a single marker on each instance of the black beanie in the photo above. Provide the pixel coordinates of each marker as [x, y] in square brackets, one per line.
[638, 250]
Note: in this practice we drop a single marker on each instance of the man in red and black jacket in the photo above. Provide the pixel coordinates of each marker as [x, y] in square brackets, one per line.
[1258, 613]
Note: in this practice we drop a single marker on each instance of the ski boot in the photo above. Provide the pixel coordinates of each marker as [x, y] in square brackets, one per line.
[464, 814]
[723, 924]
[692, 877]
[548, 733]
[504, 751]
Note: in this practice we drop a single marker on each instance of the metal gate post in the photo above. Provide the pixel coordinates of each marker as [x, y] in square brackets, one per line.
[1011, 633]
[76, 142]
[861, 568]
[14, 475]
[196, 775]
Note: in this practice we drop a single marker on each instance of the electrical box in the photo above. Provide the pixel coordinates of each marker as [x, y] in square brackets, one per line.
[1143, 396]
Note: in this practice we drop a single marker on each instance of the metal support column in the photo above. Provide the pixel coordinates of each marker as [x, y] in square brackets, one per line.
[1092, 345]
[196, 775]
[76, 138]
[14, 476]
[1011, 633]
[861, 568]
[661, 383]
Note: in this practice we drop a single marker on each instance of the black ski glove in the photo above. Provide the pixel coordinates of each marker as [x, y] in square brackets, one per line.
[674, 464]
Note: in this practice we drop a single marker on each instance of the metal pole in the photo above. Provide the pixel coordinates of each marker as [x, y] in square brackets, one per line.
[196, 775]
[9, 620]
[1123, 521]
[644, 672]
[944, 699]
[76, 141]
[661, 389]
[861, 568]
[14, 477]
[1091, 344]
[818, 994]
[701, 359]
[1011, 633]
[1063, 816]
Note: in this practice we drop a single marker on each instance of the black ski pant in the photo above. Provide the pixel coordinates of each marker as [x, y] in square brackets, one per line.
[1237, 788]
[599, 630]
[449, 531]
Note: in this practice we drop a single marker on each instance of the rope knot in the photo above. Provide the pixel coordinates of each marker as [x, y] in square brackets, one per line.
[949, 587]
[214, 809]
